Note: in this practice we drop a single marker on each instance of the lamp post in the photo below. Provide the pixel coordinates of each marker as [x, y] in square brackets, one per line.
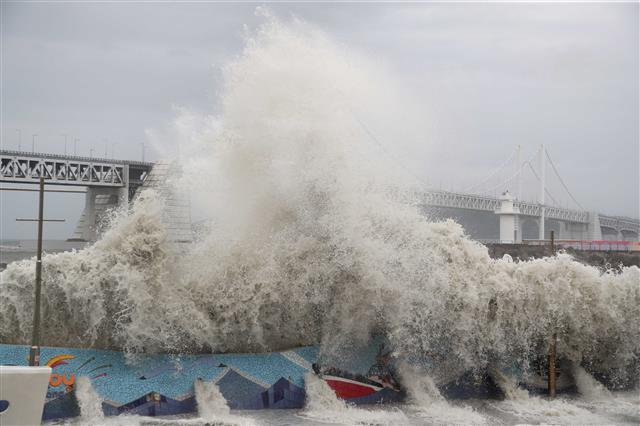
[33, 143]
[19, 139]
[34, 352]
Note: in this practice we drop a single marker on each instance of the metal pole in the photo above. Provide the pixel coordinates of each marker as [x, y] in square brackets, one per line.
[542, 192]
[519, 172]
[19, 139]
[75, 146]
[34, 354]
[33, 143]
[65, 144]
[551, 384]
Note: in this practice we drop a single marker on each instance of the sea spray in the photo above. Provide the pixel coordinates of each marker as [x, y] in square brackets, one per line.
[315, 239]
[539, 410]
[211, 403]
[323, 405]
[508, 384]
[561, 410]
[588, 386]
[102, 296]
[213, 407]
[89, 401]
[595, 397]
[426, 402]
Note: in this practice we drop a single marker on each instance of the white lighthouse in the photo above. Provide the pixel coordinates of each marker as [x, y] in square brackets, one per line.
[509, 232]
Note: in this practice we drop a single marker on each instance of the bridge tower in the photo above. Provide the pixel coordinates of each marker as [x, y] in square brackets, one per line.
[97, 202]
[543, 189]
[100, 200]
[593, 228]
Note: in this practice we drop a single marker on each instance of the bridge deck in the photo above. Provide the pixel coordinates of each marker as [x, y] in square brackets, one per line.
[26, 167]
[484, 203]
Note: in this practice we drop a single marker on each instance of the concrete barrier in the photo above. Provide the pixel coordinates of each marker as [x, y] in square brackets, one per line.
[22, 394]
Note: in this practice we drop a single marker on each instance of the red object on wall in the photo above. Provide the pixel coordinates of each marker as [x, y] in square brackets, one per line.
[346, 388]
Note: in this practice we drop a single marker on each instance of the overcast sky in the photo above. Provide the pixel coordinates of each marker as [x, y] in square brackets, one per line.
[490, 76]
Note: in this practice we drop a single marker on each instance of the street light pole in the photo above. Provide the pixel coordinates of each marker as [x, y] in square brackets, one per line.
[65, 144]
[75, 146]
[19, 139]
[34, 353]
[33, 143]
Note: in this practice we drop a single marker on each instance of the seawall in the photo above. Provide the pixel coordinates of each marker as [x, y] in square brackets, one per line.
[599, 258]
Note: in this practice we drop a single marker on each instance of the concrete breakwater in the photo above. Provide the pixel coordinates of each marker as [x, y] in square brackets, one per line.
[598, 258]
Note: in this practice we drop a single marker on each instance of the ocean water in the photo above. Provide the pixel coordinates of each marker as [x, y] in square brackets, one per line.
[315, 238]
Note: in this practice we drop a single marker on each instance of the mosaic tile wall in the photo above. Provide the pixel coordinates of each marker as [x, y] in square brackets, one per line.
[163, 384]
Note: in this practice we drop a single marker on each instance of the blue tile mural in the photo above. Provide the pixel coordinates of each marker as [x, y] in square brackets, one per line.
[163, 384]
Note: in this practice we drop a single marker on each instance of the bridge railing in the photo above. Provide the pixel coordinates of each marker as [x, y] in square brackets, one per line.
[620, 223]
[485, 203]
[588, 245]
[67, 157]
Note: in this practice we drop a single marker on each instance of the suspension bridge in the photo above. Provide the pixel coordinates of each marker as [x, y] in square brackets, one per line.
[488, 210]
[518, 219]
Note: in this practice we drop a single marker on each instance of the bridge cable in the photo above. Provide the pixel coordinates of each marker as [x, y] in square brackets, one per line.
[491, 175]
[510, 178]
[501, 184]
[546, 191]
[562, 181]
[393, 157]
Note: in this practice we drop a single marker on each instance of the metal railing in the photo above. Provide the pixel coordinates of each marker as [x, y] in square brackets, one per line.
[588, 245]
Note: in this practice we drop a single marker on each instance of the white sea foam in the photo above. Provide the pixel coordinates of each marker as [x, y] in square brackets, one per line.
[597, 406]
[508, 385]
[589, 387]
[315, 238]
[562, 410]
[323, 405]
[213, 407]
[426, 402]
[89, 401]
[211, 403]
